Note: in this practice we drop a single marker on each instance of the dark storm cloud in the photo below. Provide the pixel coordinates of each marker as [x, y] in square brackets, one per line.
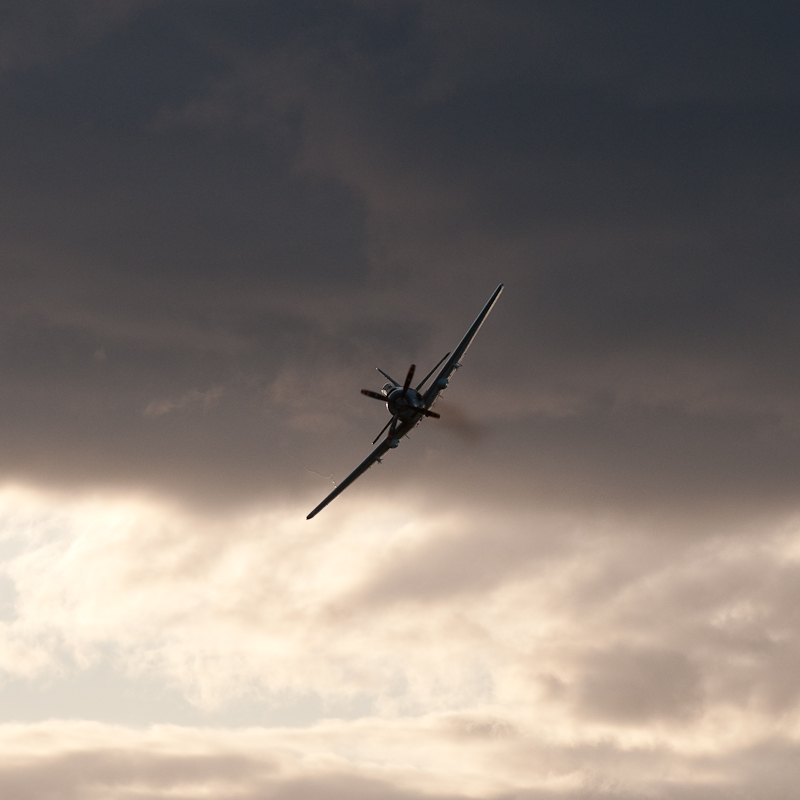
[262, 201]
[39, 31]
[150, 249]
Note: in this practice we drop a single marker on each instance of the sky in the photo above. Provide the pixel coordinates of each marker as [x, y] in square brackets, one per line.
[217, 218]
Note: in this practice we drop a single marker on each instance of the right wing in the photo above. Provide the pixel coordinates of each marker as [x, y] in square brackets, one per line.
[374, 456]
[443, 378]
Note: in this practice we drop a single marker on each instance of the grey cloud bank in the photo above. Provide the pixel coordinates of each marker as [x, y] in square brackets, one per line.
[184, 185]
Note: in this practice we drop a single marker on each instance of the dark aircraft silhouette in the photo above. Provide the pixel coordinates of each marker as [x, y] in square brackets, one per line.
[407, 406]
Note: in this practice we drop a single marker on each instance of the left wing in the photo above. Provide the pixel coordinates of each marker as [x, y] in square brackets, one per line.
[374, 456]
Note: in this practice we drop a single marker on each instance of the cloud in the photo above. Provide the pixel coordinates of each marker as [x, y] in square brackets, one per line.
[206, 400]
[42, 30]
[636, 686]
[595, 597]
[432, 758]
[358, 198]
[600, 627]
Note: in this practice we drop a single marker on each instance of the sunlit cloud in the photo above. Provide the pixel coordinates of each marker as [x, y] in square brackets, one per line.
[433, 756]
[599, 630]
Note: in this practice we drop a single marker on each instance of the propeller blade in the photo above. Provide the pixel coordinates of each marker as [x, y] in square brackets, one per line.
[424, 380]
[429, 413]
[375, 440]
[388, 377]
[409, 378]
[377, 396]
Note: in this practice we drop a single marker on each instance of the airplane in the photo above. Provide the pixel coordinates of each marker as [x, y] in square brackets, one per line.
[408, 406]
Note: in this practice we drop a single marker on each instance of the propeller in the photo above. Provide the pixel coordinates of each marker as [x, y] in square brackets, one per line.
[424, 380]
[377, 396]
[375, 440]
[388, 377]
[392, 423]
[409, 378]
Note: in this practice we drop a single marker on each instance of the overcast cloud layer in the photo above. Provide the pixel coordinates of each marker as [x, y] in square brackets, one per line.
[216, 220]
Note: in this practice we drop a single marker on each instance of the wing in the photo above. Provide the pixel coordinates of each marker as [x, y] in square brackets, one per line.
[374, 456]
[452, 363]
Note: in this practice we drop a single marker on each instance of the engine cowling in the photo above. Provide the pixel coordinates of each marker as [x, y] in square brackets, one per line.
[404, 406]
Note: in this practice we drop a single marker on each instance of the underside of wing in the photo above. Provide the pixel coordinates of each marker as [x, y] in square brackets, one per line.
[374, 456]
